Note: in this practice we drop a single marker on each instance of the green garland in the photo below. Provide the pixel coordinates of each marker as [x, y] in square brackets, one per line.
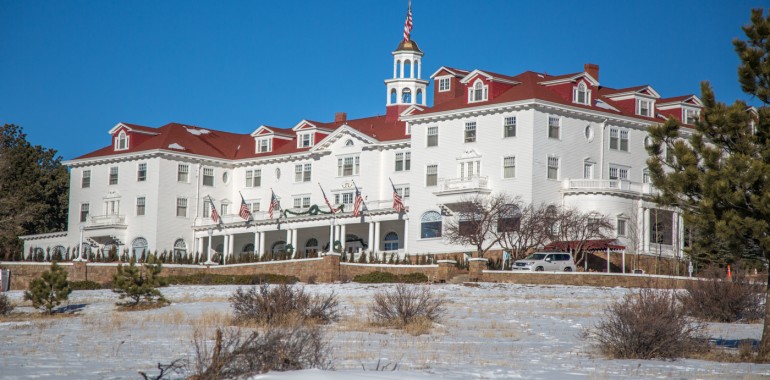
[313, 210]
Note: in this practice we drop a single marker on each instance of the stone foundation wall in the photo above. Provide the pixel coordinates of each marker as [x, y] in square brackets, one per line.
[350, 270]
[586, 279]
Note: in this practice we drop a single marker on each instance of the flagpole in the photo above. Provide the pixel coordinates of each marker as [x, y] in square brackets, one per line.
[362, 201]
[333, 221]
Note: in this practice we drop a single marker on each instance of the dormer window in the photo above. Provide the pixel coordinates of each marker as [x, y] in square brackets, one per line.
[264, 145]
[444, 84]
[478, 93]
[305, 140]
[644, 107]
[690, 116]
[121, 143]
[581, 94]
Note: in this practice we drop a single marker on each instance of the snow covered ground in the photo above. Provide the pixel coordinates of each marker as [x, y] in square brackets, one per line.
[492, 331]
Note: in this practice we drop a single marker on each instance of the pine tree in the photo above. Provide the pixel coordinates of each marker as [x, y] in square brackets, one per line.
[50, 289]
[137, 284]
[720, 176]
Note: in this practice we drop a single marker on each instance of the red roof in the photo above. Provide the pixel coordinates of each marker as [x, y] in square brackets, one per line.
[590, 245]
[188, 139]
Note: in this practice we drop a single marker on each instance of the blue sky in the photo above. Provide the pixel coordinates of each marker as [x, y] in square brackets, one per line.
[71, 70]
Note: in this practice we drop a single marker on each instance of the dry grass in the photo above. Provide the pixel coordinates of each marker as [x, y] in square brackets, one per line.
[35, 317]
[141, 306]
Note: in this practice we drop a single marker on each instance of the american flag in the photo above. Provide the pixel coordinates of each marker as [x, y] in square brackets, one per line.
[214, 213]
[408, 23]
[245, 213]
[398, 204]
[274, 205]
[326, 199]
[357, 203]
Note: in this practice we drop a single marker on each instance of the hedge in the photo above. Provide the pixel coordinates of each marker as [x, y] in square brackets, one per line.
[387, 277]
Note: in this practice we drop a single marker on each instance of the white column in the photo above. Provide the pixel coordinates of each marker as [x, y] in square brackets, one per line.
[419, 73]
[624, 261]
[232, 245]
[411, 71]
[646, 230]
[401, 71]
[406, 236]
[608, 259]
[395, 68]
[331, 235]
[294, 239]
[262, 242]
[680, 234]
[343, 230]
[208, 256]
[370, 238]
[199, 247]
[256, 242]
[376, 237]
[80, 249]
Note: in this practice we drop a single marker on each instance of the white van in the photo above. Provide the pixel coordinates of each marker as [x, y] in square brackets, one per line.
[546, 261]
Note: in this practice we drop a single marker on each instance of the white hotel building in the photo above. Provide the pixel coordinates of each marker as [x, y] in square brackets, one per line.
[562, 139]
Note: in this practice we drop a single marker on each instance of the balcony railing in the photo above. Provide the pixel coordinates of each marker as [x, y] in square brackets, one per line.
[462, 185]
[106, 221]
[610, 185]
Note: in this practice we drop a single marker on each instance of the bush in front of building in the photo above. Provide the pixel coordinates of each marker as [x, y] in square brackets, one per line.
[405, 306]
[49, 290]
[5, 305]
[390, 278]
[87, 285]
[223, 279]
[716, 298]
[283, 304]
[139, 284]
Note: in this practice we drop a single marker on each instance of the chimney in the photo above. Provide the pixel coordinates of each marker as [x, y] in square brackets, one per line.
[592, 70]
[340, 116]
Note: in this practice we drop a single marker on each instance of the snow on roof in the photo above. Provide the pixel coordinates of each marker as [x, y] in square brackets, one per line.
[197, 131]
[176, 146]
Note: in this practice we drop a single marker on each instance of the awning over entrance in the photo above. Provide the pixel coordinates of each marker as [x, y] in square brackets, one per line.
[588, 245]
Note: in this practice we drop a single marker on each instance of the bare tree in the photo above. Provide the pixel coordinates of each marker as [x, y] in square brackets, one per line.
[522, 227]
[475, 221]
[577, 227]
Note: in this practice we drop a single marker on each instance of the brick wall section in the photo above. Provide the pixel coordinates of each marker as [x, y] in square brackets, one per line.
[585, 279]
[350, 270]
[445, 271]
[475, 268]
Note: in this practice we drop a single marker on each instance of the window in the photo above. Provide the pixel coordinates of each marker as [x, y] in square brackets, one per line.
[554, 124]
[509, 167]
[85, 181]
[470, 131]
[618, 172]
[254, 206]
[432, 136]
[580, 94]
[254, 178]
[140, 206]
[618, 139]
[646, 176]
[224, 207]
[690, 116]
[265, 145]
[510, 218]
[112, 207]
[121, 143]
[180, 248]
[141, 172]
[302, 172]
[206, 209]
[643, 107]
[553, 167]
[302, 201]
[588, 170]
[430, 225]
[469, 168]
[114, 175]
[181, 207]
[588, 132]
[208, 176]
[139, 247]
[431, 175]
[84, 207]
[403, 161]
[183, 173]
[403, 191]
[444, 84]
[661, 226]
[509, 126]
[621, 227]
[347, 166]
[478, 93]
[624, 140]
[391, 241]
[305, 140]
[406, 96]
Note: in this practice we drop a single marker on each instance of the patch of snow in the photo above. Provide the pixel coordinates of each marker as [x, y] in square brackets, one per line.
[176, 146]
[197, 131]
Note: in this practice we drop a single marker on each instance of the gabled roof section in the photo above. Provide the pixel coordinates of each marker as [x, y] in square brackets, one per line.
[690, 100]
[412, 109]
[309, 125]
[265, 131]
[646, 90]
[133, 128]
[494, 77]
[452, 71]
[569, 78]
[339, 133]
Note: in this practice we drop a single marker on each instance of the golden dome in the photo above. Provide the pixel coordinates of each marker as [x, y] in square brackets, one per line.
[408, 46]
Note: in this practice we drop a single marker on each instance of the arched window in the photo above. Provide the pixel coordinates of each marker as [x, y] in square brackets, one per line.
[391, 241]
[139, 246]
[122, 142]
[58, 252]
[398, 69]
[393, 96]
[180, 248]
[417, 68]
[407, 69]
[278, 247]
[311, 246]
[248, 248]
[580, 95]
[479, 92]
[430, 225]
[350, 142]
[219, 248]
[419, 97]
[406, 95]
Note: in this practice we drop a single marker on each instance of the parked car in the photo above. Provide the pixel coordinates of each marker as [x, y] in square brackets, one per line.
[546, 261]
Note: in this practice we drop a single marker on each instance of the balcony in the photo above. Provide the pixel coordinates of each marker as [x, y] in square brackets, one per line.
[607, 186]
[463, 186]
[106, 221]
